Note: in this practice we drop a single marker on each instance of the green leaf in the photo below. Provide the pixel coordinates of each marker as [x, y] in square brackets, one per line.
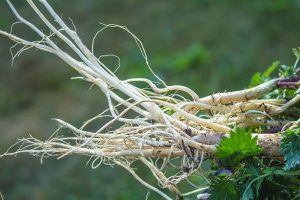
[286, 71]
[248, 194]
[290, 148]
[224, 189]
[258, 186]
[270, 69]
[256, 80]
[256, 180]
[237, 147]
[259, 78]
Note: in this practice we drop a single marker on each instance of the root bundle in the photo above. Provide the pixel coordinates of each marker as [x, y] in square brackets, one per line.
[170, 122]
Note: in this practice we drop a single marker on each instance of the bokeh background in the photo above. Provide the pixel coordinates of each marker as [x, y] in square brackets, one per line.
[209, 46]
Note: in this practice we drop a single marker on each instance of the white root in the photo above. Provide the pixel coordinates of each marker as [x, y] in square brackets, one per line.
[240, 96]
[284, 107]
[166, 125]
[132, 172]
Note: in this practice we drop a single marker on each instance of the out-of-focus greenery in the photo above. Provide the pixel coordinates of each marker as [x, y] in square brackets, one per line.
[206, 45]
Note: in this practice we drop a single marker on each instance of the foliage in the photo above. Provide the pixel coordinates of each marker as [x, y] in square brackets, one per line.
[259, 78]
[283, 71]
[290, 148]
[256, 180]
[223, 188]
[254, 177]
[259, 181]
[237, 147]
[286, 71]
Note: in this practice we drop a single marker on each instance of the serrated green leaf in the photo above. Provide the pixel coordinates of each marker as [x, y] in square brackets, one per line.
[255, 80]
[290, 148]
[259, 78]
[224, 189]
[237, 147]
[270, 69]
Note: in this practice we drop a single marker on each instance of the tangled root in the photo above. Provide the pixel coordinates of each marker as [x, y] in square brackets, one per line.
[173, 129]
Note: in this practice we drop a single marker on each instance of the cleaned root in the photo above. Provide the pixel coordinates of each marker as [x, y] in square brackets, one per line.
[170, 122]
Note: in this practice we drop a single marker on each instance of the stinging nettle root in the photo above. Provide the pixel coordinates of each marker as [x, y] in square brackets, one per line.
[166, 127]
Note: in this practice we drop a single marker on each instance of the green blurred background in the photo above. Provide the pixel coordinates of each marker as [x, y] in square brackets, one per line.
[209, 46]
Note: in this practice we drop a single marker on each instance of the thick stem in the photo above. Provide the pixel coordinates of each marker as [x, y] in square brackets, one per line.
[240, 96]
[268, 142]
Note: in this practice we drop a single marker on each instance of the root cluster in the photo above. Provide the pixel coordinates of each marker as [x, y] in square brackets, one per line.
[164, 127]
